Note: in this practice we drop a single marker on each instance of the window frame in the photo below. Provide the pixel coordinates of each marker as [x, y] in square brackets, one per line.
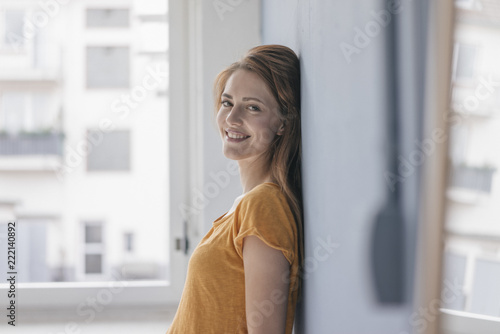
[187, 93]
[465, 322]
[40, 300]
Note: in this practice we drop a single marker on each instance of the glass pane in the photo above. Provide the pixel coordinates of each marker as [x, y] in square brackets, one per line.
[472, 231]
[64, 148]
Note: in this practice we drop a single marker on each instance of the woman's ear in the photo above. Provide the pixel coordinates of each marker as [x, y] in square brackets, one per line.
[281, 129]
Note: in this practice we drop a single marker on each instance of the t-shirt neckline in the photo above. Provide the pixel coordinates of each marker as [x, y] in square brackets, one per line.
[226, 215]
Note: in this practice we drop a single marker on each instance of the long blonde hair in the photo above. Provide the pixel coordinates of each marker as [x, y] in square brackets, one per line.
[279, 67]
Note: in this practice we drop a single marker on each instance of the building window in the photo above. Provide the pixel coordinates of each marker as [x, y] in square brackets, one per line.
[12, 29]
[108, 67]
[465, 58]
[454, 273]
[108, 151]
[107, 17]
[25, 111]
[485, 294]
[129, 242]
[13, 111]
[93, 234]
[93, 248]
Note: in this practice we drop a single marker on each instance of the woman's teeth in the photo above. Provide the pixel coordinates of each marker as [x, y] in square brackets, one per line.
[235, 136]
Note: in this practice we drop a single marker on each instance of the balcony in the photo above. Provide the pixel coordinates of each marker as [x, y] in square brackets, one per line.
[31, 151]
[470, 184]
[473, 178]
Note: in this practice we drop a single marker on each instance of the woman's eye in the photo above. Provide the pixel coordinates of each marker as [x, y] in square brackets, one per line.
[254, 108]
[226, 103]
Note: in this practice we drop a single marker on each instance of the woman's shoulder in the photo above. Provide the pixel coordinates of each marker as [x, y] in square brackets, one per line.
[263, 192]
[266, 194]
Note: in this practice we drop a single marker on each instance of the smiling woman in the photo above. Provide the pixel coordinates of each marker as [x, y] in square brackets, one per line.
[248, 113]
[243, 277]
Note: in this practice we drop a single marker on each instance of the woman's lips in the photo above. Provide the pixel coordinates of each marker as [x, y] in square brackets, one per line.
[236, 140]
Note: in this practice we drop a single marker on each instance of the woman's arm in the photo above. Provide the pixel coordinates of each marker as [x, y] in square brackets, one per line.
[266, 289]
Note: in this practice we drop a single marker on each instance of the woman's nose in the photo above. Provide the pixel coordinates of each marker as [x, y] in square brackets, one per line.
[234, 116]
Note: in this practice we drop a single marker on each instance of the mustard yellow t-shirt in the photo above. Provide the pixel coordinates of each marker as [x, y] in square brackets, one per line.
[213, 300]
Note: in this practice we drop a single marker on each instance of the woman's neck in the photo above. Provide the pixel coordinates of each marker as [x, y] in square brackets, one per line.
[252, 174]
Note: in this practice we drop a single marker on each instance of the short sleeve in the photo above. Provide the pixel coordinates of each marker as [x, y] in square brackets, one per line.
[265, 213]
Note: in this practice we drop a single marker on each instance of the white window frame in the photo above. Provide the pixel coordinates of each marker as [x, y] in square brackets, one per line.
[188, 90]
[67, 297]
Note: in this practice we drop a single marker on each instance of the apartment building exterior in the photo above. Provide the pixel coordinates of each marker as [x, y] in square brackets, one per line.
[83, 138]
[472, 247]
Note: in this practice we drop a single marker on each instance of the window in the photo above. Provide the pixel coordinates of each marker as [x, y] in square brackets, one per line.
[32, 257]
[25, 111]
[107, 17]
[454, 274]
[88, 213]
[472, 238]
[129, 241]
[13, 109]
[485, 294]
[108, 151]
[468, 4]
[93, 248]
[465, 58]
[12, 29]
[108, 67]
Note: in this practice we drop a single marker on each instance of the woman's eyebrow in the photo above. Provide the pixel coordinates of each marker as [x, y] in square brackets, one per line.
[243, 99]
[252, 98]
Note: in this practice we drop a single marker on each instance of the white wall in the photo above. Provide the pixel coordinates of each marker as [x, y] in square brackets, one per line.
[344, 159]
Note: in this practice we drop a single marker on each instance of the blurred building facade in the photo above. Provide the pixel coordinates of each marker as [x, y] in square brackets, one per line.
[83, 138]
[472, 247]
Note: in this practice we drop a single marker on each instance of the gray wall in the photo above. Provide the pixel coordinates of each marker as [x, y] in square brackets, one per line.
[344, 112]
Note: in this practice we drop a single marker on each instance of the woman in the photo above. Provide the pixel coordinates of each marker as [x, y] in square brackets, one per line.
[243, 277]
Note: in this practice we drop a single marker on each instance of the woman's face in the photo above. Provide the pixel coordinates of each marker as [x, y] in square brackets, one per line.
[248, 117]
